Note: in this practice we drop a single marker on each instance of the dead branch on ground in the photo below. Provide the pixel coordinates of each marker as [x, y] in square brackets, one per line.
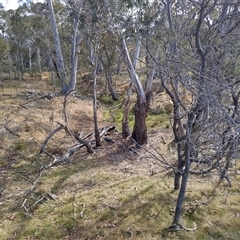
[86, 141]
[13, 133]
[82, 140]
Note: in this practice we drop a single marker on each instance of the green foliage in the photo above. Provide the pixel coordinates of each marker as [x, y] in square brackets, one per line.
[4, 47]
[19, 146]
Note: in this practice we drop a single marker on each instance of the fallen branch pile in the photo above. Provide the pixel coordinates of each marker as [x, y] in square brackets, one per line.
[87, 141]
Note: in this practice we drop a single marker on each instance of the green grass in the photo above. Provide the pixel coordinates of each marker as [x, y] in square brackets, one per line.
[158, 120]
[116, 206]
[114, 113]
[19, 146]
[96, 199]
[109, 206]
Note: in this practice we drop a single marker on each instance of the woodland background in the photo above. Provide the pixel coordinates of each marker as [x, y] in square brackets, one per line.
[120, 120]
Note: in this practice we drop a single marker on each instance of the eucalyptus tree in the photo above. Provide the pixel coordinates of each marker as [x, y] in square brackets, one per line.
[23, 30]
[108, 53]
[95, 32]
[111, 20]
[5, 62]
[74, 8]
[76, 39]
[19, 43]
[200, 73]
[141, 25]
[4, 48]
[59, 58]
[131, 21]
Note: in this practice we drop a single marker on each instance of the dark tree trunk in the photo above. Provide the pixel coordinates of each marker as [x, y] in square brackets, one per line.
[181, 196]
[140, 129]
[177, 174]
[95, 118]
[108, 74]
[185, 172]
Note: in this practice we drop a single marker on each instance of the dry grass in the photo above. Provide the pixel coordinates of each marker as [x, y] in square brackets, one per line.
[114, 193]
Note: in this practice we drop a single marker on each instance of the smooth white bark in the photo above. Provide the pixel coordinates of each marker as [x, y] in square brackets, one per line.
[59, 57]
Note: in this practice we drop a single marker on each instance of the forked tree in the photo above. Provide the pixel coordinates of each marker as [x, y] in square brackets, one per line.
[76, 37]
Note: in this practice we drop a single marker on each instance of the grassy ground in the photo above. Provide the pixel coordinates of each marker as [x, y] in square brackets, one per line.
[116, 193]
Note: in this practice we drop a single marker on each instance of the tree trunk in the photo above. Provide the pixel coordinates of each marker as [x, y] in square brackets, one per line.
[108, 75]
[177, 173]
[137, 52]
[30, 58]
[125, 125]
[11, 75]
[76, 39]
[39, 63]
[119, 65]
[140, 129]
[181, 195]
[149, 81]
[107, 62]
[59, 58]
[110, 84]
[20, 63]
[74, 65]
[97, 135]
[185, 173]
[173, 92]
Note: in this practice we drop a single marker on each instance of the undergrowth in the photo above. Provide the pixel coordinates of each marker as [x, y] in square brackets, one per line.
[113, 194]
[113, 112]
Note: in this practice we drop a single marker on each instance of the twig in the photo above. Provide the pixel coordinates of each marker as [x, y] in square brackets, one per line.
[73, 203]
[130, 232]
[13, 133]
[25, 178]
[65, 118]
[29, 191]
[26, 210]
[53, 196]
[81, 213]
[107, 205]
[23, 106]
[50, 136]
[38, 201]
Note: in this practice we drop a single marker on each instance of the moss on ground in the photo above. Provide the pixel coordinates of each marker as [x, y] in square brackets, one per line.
[111, 194]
